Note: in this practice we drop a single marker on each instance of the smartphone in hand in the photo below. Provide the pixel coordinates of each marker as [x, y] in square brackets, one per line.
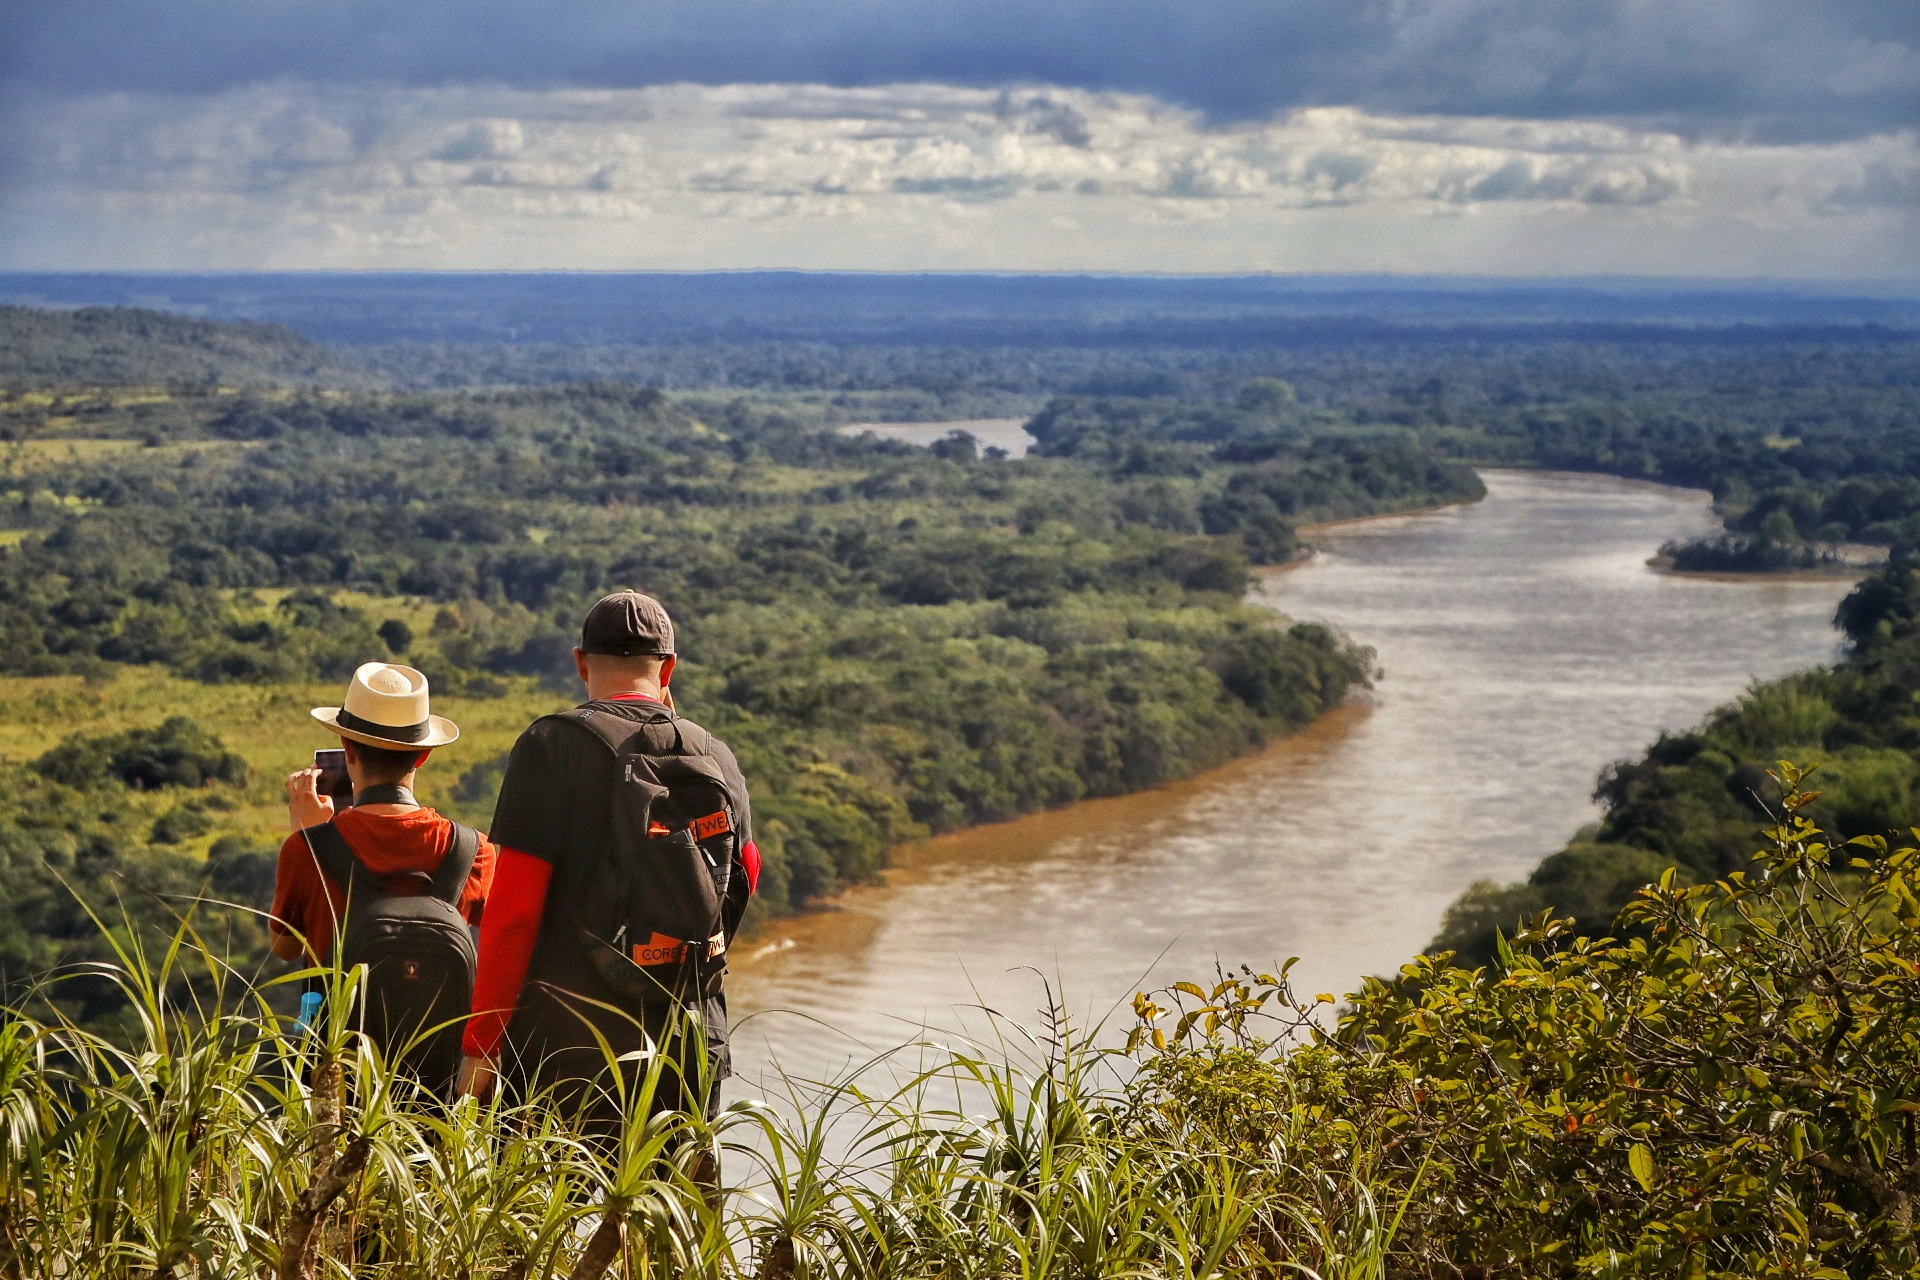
[334, 781]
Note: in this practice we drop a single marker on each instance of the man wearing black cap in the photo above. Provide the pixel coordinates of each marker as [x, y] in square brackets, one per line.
[555, 964]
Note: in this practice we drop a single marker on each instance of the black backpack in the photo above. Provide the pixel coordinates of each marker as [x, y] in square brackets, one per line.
[653, 923]
[417, 948]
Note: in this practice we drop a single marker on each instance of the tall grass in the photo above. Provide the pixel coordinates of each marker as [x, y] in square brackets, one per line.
[225, 1141]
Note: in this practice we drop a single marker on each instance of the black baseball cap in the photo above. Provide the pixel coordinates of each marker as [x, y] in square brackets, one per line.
[626, 624]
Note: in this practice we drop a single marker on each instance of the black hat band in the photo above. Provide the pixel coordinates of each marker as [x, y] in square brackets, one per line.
[394, 732]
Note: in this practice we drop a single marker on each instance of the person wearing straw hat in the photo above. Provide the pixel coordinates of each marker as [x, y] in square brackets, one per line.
[388, 731]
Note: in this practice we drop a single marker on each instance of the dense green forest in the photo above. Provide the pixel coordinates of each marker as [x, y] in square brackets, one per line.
[1798, 444]
[895, 640]
[1804, 435]
[898, 640]
[121, 346]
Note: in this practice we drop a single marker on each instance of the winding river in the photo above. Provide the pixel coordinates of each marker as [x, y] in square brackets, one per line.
[1525, 644]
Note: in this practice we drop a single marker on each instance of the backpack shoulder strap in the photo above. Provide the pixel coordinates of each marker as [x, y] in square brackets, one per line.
[613, 729]
[450, 877]
[342, 865]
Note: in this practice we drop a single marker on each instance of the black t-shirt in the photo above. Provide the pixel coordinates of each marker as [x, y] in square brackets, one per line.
[554, 798]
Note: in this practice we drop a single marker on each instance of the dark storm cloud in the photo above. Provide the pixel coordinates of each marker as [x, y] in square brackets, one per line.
[1784, 69]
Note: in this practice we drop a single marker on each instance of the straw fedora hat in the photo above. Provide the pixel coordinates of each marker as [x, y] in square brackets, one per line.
[386, 706]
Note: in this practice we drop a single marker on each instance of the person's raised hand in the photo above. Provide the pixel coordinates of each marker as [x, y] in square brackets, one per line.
[306, 807]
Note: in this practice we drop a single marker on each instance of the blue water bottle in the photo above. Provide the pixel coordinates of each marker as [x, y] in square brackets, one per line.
[309, 1013]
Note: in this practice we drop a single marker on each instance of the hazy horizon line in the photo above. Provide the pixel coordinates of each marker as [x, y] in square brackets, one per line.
[1880, 285]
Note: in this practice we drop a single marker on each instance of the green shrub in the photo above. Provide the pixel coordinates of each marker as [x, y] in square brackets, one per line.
[178, 753]
[180, 823]
[1729, 1091]
[396, 635]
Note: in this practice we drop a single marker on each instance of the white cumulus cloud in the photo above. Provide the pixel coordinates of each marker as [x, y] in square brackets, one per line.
[921, 175]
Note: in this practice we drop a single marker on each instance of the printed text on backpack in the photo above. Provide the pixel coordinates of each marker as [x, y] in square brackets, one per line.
[655, 924]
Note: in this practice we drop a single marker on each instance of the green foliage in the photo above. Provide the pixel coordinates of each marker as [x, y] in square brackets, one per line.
[396, 635]
[224, 1140]
[238, 872]
[1801, 441]
[65, 851]
[950, 638]
[1586, 882]
[116, 346]
[96, 824]
[1269, 395]
[1804, 443]
[182, 822]
[178, 753]
[1283, 465]
[1729, 1093]
[1883, 609]
[1764, 552]
[899, 640]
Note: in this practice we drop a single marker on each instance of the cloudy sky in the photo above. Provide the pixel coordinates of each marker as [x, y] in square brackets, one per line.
[1671, 137]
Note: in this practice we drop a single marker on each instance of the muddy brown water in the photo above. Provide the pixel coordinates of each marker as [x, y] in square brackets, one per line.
[1525, 644]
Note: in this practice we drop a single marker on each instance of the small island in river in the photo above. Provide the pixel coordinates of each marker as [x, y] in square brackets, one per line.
[1761, 553]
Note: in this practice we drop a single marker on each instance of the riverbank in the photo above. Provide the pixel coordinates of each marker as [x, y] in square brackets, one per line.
[1351, 521]
[1307, 552]
[1838, 573]
[850, 920]
[846, 919]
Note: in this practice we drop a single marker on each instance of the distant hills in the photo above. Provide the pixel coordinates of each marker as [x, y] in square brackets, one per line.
[600, 309]
[120, 346]
[929, 346]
